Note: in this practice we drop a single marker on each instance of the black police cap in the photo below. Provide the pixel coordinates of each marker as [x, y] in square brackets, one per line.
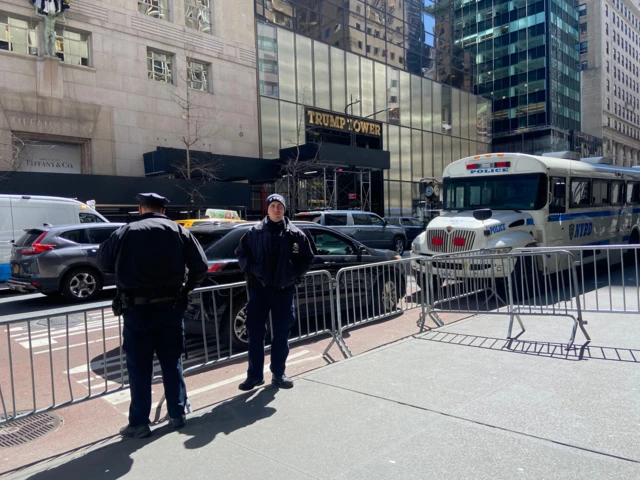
[152, 199]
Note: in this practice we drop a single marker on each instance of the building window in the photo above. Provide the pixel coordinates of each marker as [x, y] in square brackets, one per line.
[607, 47]
[368, 48]
[606, 28]
[608, 105]
[72, 47]
[159, 66]
[607, 69]
[606, 10]
[607, 85]
[393, 56]
[583, 47]
[584, 65]
[17, 36]
[583, 29]
[376, 50]
[357, 26]
[268, 66]
[360, 44]
[197, 14]
[154, 8]
[198, 75]
[582, 10]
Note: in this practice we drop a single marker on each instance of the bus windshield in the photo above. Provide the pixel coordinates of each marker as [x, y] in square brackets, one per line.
[503, 192]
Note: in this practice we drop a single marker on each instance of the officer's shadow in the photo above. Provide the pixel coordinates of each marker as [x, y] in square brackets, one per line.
[115, 460]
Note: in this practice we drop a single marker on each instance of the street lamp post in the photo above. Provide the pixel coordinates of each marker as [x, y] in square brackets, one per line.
[350, 119]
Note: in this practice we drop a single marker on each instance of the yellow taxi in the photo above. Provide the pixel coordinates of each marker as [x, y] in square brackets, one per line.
[212, 215]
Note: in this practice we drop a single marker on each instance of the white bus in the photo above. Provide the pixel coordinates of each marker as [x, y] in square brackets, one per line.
[503, 201]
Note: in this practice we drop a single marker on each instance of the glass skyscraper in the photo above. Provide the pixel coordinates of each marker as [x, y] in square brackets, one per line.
[397, 58]
[527, 63]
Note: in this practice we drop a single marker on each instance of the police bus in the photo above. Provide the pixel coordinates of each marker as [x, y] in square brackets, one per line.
[503, 201]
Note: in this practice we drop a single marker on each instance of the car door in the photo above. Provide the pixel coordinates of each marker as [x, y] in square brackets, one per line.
[384, 235]
[93, 238]
[365, 232]
[334, 252]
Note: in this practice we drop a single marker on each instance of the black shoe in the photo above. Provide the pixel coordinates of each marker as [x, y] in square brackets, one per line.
[250, 384]
[177, 423]
[281, 381]
[143, 431]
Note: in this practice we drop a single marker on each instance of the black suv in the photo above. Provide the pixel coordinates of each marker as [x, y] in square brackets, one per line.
[61, 260]
[333, 250]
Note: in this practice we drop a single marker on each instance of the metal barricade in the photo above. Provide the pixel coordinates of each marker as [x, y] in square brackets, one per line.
[608, 277]
[526, 282]
[366, 293]
[76, 354]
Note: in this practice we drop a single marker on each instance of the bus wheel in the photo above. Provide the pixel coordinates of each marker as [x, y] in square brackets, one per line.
[632, 256]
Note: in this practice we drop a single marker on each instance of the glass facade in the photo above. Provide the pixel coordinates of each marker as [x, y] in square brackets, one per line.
[527, 63]
[312, 57]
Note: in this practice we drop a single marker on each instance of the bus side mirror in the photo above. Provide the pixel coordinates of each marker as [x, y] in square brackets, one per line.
[559, 190]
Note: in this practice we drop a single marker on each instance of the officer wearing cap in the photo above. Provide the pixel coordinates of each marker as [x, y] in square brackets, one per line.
[274, 255]
[156, 263]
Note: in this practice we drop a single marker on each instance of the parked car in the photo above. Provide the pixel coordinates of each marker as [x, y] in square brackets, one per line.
[333, 251]
[412, 227]
[61, 260]
[18, 212]
[366, 227]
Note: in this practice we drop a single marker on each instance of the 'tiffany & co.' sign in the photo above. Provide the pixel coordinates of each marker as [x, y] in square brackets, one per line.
[321, 118]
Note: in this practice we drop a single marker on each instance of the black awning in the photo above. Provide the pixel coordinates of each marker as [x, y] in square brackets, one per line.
[330, 154]
[111, 190]
[227, 168]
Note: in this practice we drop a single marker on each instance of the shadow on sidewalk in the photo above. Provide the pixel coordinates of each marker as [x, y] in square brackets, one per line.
[115, 460]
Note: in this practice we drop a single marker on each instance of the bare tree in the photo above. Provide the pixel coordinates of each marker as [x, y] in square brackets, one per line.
[201, 123]
[295, 165]
[11, 154]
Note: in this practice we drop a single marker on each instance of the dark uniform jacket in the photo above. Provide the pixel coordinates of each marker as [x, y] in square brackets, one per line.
[255, 255]
[149, 255]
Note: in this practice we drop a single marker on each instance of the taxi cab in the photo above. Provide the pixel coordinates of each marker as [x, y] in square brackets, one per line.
[212, 215]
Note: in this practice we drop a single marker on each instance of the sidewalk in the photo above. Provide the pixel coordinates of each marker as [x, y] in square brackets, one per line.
[433, 406]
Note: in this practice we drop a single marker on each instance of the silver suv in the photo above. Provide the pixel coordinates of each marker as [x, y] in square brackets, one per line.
[366, 227]
[61, 260]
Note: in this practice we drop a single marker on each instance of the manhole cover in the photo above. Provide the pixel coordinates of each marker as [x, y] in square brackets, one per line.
[27, 429]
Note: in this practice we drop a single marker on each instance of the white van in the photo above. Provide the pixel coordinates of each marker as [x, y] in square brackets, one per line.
[18, 212]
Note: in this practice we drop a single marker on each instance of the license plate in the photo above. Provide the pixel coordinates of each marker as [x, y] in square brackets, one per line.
[15, 269]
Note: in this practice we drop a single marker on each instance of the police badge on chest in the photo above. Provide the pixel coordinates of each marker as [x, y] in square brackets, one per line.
[296, 248]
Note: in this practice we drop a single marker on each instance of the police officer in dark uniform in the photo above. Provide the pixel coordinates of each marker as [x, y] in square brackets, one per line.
[150, 257]
[274, 255]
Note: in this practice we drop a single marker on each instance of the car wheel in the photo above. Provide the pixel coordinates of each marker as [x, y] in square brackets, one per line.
[81, 285]
[387, 296]
[398, 245]
[236, 326]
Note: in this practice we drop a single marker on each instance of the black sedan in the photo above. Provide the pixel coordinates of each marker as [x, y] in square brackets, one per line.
[375, 291]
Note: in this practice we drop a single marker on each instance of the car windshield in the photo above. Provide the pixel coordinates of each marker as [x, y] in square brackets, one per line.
[504, 192]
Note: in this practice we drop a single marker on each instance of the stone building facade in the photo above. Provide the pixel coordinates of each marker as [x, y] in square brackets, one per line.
[610, 67]
[115, 88]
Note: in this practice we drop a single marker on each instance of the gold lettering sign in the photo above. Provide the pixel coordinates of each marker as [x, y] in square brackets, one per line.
[340, 122]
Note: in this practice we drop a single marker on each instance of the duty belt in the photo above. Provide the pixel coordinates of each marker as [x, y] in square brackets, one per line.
[152, 300]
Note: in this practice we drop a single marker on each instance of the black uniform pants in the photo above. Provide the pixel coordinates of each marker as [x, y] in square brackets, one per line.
[263, 300]
[147, 329]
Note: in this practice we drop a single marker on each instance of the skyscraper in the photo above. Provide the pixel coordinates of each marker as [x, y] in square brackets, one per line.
[527, 64]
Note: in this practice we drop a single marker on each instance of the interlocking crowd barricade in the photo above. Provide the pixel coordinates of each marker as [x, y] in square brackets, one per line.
[608, 277]
[366, 293]
[524, 282]
[75, 354]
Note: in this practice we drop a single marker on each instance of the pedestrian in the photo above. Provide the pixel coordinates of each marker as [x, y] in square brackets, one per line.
[156, 263]
[275, 255]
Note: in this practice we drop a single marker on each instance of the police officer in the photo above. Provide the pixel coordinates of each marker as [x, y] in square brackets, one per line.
[274, 255]
[148, 257]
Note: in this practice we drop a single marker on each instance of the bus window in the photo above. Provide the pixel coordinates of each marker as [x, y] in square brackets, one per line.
[617, 193]
[580, 193]
[558, 189]
[600, 193]
[633, 193]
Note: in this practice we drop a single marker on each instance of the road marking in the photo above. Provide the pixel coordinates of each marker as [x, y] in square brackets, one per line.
[37, 343]
[125, 396]
[75, 345]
